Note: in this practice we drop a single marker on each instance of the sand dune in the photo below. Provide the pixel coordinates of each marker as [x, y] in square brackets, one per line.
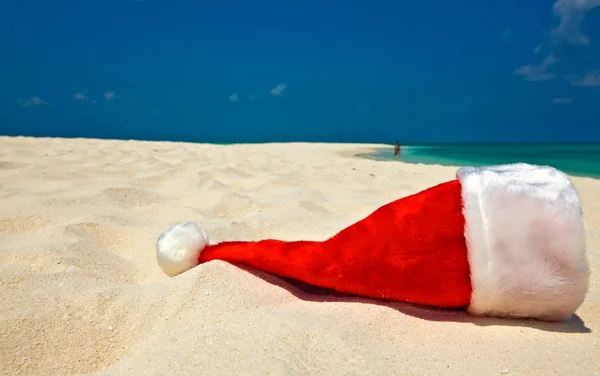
[81, 291]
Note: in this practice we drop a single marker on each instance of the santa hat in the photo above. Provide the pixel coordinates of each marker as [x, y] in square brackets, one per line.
[504, 241]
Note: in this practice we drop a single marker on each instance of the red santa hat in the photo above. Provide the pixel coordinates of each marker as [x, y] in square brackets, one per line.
[504, 241]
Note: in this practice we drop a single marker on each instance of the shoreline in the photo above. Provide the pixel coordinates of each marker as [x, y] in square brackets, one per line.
[441, 162]
[361, 151]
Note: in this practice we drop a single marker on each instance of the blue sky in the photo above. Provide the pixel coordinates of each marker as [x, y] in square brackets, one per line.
[302, 70]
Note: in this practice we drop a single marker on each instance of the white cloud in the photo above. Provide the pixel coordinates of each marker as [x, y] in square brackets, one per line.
[234, 97]
[572, 15]
[80, 96]
[278, 90]
[591, 79]
[538, 72]
[561, 100]
[37, 100]
[31, 101]
[109, 95]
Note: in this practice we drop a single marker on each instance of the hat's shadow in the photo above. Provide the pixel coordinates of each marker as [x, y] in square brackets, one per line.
[312, 293]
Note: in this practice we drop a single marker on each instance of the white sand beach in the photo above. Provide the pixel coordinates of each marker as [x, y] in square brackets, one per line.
[81, 291]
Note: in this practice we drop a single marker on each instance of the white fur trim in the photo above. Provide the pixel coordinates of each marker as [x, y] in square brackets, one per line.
[178, 248]
[526, 242]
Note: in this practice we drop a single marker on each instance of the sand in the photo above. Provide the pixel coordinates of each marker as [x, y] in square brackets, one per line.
[81, 291]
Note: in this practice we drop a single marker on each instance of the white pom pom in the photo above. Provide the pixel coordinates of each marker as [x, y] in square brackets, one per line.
[178, 248]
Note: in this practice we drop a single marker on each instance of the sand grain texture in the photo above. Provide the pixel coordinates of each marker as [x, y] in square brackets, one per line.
[81, 292]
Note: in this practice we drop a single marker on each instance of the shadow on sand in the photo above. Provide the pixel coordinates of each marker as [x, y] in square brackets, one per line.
[312, 293]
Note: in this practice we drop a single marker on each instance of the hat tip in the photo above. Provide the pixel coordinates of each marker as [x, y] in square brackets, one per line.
[178, 248]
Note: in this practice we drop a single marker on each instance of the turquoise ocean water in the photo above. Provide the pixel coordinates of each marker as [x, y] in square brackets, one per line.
[574, 159]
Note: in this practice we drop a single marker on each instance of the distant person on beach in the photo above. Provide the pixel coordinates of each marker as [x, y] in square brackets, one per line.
[397, 150]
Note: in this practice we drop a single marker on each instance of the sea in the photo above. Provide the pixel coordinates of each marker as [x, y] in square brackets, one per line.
[573, 159]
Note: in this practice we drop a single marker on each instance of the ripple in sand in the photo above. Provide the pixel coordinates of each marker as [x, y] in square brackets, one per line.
[228, 176]
[5, 165]
[105, 236]
[208, 184]
[6, 192]
[237, 172]
[235, 206]
[68, 201]
[154, 181]
[130, 197]
[19, 224]
[156, 173]
[311, 206]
